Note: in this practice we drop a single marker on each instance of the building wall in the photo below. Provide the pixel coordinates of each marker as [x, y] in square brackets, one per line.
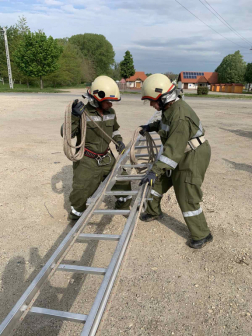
[194, 86]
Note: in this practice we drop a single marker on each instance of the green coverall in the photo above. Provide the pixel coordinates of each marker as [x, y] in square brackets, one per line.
[178, 125]
[87, 174]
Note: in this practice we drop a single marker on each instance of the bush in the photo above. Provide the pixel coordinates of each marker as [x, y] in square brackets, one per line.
[202, 90]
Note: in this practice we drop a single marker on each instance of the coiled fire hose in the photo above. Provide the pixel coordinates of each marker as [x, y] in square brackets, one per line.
[151, 149]
[69, 149]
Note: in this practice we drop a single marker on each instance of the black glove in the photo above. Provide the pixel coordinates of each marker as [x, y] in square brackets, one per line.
[149, 178]
[120, 148]
[145, 128]
[77, 108]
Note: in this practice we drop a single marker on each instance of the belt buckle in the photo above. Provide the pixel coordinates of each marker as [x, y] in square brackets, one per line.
[100, 158]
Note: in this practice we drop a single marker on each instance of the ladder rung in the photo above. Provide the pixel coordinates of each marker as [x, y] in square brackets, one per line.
[122, 193]
[111, 212]
[142, 155]
[152, 138]
[81, 269]
[138, 147]
[94, 236]
[129, 177]
[140, 165]
[59, 314]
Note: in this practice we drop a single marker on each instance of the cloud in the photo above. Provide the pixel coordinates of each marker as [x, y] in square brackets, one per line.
[69, 8]
[161, 35]
[53, 3]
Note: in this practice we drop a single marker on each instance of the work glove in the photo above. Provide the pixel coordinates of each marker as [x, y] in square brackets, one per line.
[121, 147]
[77, 108]
[149, 178]
[145, 128]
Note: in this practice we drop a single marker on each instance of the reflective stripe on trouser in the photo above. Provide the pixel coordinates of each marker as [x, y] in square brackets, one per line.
[87, 176]
[187, 187]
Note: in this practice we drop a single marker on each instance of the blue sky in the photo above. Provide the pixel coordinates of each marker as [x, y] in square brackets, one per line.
[161, 35]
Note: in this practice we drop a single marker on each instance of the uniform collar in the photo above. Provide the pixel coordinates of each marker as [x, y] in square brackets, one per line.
[92, 109]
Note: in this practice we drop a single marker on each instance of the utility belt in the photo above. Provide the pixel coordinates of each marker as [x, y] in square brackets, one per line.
[99, 157]
[194, 143]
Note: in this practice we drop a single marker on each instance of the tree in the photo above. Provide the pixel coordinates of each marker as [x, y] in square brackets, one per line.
[148, 74]
[171, 76]
[37, 55]
[232, 69]
[96, 48]
[73, 67]
[116, 72]
[14, 34]
[248, 75]
[127, 66]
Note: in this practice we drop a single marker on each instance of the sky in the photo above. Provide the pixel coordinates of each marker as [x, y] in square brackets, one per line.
[161, 35]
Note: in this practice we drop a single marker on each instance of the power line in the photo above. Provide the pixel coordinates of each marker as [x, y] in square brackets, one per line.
[210, 26]
[222, 20]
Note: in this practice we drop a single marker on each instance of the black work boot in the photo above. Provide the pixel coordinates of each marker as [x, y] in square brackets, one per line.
[198, 244]
[72, 216]
[145, 217]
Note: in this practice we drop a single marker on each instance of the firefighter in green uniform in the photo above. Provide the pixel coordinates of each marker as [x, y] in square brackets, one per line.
[184, 160]
[97, 161]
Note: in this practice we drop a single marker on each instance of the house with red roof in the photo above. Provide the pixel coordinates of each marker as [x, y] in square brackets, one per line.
[193, 79]
[136, 81]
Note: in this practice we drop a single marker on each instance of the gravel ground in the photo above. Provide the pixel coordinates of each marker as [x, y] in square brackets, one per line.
[165, 288]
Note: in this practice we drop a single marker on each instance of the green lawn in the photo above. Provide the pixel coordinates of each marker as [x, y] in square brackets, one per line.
[231, 96]
[130, 92]
[24, 88]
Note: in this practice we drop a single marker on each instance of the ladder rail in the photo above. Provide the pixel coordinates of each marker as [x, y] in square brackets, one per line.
[100, 302]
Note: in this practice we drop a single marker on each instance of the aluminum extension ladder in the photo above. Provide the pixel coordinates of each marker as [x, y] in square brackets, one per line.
[25, 304]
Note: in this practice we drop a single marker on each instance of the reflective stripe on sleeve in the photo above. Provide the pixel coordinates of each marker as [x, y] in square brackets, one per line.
[76, 212]
[115, 133]
[168, 161]
[155, 193]
[164, 127]
[108, 117]
[124, 199]
[95, 118]
[192, 213]
[200, 131]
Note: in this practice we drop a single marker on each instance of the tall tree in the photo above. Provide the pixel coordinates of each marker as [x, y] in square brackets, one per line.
[73, 67]
[37, 55]
[232, 68]
[98, 49]
[248, 75]
[127, 66]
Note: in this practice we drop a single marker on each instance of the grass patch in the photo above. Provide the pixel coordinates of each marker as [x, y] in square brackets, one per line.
[130, 92]
[24, 88]
[218, 96]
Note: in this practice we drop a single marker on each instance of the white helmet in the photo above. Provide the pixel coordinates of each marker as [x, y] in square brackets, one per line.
[104, 88]
[158, 86]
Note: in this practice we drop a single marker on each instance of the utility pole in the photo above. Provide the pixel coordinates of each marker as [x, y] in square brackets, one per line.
[8, 58]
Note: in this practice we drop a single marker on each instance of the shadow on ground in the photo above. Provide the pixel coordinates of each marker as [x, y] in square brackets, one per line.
[61, 183]
[240, 166]
[242, 133]
[176, 226]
